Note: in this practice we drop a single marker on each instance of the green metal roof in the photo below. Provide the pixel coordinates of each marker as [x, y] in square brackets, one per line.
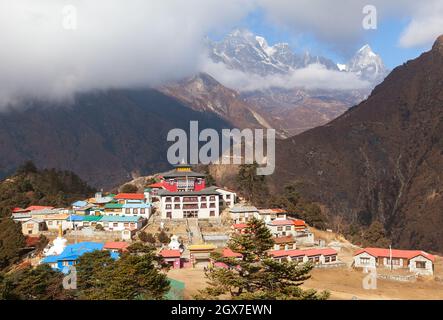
[92, 218]
[113, 206]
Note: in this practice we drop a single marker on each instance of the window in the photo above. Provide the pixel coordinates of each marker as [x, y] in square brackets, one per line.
[333, 258]
[228, 203]
[126, 224]
[279, 228]
[128, 211]
[106, 224]
[115, 224]
[29, 226]
[228, 196]
[85, 224]
[203, 199]
[177, 206]
[212, 205]
[142, 211]
[177, 199]
[420, 264]
[168, 206]
[288, 228]
[317, 259]
[212, 198]
[327, 259]
[169, 215]
[212, 214]
[168, 199]
[395, 261]
[204, 206]
[65, 263]
[365, 261]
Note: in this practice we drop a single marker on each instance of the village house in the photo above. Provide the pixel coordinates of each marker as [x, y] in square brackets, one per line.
[116, 246]
[53, 221]
[113, 209]
[227, 198]
[79, 204]
[172, 257]
[285, 243]
[33, 226]
[137, 209]
[268, 215]
[322, 256]
[99, 200]
[415, 261]
[153, 190]
[71, 254]
[239, 228]
[242, 214]
[295, 228]
[124, 198]
[117, 223]
[284, 227]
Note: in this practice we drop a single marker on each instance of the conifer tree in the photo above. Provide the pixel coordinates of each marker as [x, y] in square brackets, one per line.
[256, 275]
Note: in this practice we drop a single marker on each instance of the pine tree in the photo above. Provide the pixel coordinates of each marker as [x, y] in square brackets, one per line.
[257, 275]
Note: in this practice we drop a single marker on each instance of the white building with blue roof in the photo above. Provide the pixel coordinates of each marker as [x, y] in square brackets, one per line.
[71, 254]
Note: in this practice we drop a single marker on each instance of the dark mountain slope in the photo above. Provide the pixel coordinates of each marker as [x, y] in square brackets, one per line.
[382, 160]
[104, 137]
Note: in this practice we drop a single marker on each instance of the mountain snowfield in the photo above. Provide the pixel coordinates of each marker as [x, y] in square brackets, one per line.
[245, 52]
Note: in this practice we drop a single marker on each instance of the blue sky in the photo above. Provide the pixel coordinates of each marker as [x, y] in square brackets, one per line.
[384, 40]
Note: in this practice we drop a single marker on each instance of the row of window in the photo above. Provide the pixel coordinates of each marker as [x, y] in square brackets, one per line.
[395, 262]
[190, 199]
[189, 214]
[190, 206]
[287, 228]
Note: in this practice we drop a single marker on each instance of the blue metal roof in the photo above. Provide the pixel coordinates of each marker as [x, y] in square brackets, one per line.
[79, 203]
[75, 218]
[119, 219]
[137, 205]
[74, 251]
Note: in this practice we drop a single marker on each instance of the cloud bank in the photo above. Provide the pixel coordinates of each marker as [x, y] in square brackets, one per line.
[314, 76]
[120, 44]
[116, 44]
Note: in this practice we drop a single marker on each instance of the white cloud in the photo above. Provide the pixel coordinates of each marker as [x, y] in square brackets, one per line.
[426, 25]
[116, 43]
[314, 76]
[339, 23]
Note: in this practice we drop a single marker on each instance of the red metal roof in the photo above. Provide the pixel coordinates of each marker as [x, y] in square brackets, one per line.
[32, 241]
[130, 196]
[239, 226]
[156, 185]
[118, 245]
[228, 253]
[34, 208]
[300, 253]
[295, 222]
[15, 210]
[288, 239]
[404, 254]
[170, 253]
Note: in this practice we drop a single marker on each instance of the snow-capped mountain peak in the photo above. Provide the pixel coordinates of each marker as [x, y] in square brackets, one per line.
[368, 65]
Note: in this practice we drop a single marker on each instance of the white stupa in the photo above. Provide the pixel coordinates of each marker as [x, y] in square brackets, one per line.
[174, 244]
[58, 245]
